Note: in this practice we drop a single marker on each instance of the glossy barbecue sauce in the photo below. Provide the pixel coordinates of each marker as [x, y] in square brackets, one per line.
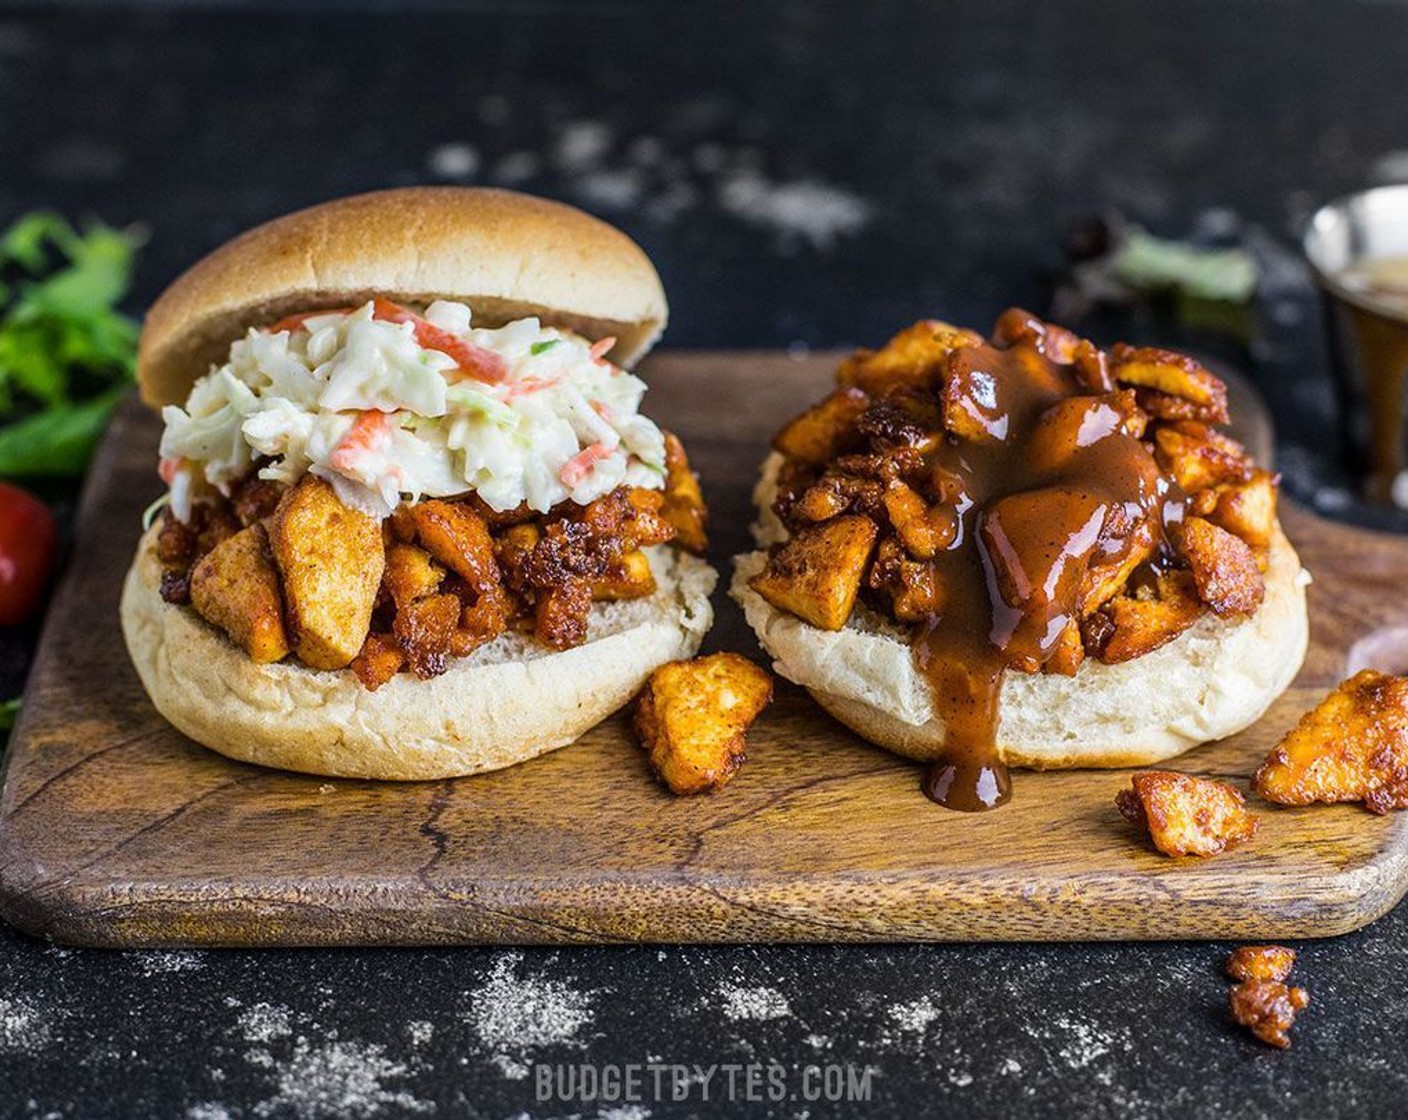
[1055, 491]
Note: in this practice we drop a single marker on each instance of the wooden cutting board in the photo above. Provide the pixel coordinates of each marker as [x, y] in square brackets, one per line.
[117, 831]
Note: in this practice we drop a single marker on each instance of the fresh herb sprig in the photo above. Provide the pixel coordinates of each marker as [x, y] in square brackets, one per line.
[67, 355]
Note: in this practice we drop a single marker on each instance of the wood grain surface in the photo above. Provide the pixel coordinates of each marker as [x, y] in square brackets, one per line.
[115, 830]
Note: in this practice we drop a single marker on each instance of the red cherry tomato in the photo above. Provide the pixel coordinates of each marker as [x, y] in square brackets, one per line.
[28, 539]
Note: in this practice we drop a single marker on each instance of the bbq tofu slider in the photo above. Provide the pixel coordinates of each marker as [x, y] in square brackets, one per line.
[416, 524]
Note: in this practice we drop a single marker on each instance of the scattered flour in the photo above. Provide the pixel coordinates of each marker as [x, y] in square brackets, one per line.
[1082, 1042]
[606, 171]
[611, 188]
[582, 145]
[339, 1081]
[802, 209]
[740, 1003]
[516, 1015]
[23, 1028]
[420, 1032]
[264, 1022]
[456, 160]
[914, 1017]
[624, 1112]
[158, 964]
[208, 1111]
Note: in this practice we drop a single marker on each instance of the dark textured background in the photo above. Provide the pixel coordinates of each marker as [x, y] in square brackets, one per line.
[804, 175]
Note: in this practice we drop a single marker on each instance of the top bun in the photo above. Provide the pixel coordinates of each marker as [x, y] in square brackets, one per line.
[505, 254]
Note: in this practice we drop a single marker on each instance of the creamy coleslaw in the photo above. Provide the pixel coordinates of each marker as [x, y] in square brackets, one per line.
[390, 406]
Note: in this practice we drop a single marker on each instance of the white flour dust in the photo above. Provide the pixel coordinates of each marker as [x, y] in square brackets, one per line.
[753, 1004]
[334, 1080]
[914, 1017]
[159, 964]
[515, 1015]
[23, 1028]
[265, 1022]
[804, 209]
[591, 162]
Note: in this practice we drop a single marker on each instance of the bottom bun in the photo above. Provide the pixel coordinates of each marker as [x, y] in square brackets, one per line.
[509, 701]
[1210, 682]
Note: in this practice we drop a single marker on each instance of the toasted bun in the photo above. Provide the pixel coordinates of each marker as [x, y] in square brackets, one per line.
[508, 702]
[507, 255]
[1210, 682]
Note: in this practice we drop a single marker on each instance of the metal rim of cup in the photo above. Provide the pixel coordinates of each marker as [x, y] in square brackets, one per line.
[1347, 210]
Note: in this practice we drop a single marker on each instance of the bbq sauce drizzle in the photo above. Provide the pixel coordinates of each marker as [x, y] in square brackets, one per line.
[1057, 487]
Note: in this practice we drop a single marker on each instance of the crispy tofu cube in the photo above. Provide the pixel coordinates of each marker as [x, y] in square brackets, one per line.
[1224, 568]
[1247, 509]
[1018, 327]
[1140, 625]
[923, 530]
[1267, 1008]
[424, 630]
[915, 589]
[1198, 457]
[480, 622]
[693, 716]
[629, 578]
[236, 587]
[914, 357]
[1261, 962]
[410, 573]
[1172, 375]
[825, 430]
[816, 575]
[331, 560]
[1187, 816]
[1069, 653]
[1353, 746]
[684, 506]
[380, 660]
[976, 396]
[1069, 427]
[457, 537]
[561, 615]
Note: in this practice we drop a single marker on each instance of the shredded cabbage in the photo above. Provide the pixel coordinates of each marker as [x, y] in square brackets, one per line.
[560, 426]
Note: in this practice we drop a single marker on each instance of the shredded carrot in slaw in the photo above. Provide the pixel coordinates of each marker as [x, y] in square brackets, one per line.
[470, 360]
[369, 429]
[576, 469]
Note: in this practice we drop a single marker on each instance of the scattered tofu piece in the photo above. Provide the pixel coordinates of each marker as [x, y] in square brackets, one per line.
[459, 538]
[1261, 962]
[1353, 746]
[693, 716]
[1187, 816]
[825, 430]
[1267, 1008]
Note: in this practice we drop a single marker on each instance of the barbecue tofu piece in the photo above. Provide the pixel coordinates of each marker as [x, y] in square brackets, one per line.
[693, 716]
[1352, 747]
[1187, 816]
[235, 586]
[817, 574]
[331, 559]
